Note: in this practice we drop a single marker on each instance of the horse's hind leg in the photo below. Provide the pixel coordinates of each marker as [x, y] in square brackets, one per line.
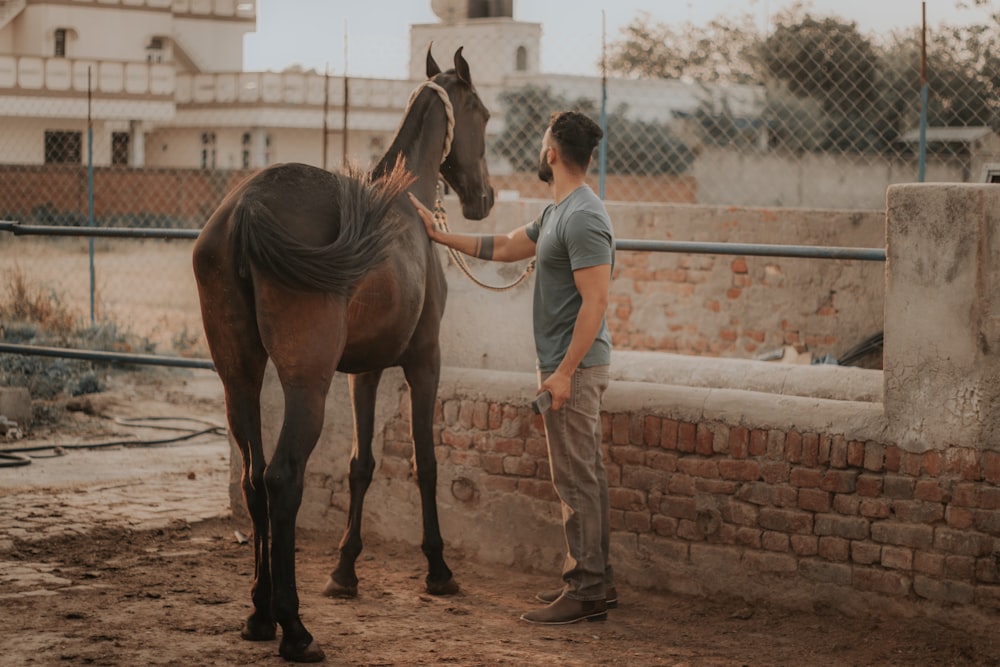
[304, 334]
[284, 478]
[422, 375]
[240, 360]
[343, 580]
[243, 413]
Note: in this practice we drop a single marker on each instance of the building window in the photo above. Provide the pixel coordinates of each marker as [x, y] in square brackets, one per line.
[208, 150]
[154, 50]
[246, 150]
[376, 147]
[63, 147]
[60, 36]
[521, 59]
[119, 148]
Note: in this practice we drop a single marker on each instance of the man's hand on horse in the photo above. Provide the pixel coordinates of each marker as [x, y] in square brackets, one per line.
[426, 215]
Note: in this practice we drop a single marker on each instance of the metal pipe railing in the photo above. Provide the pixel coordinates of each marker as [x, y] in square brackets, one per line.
[643, 245]
[756, 249]
[639, 245]
[97, 355]
[18, 229]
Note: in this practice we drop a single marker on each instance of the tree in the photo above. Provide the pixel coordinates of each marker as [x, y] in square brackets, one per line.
[825, 59]
[828, 86]
[717, 52]
[634, 146]
[526, 113]
[643, 147]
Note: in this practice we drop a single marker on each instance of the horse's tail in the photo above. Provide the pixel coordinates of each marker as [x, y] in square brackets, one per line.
[366, 229]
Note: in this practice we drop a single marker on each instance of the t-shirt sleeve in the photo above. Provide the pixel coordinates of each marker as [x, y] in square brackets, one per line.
[589, 241]
[534, 228]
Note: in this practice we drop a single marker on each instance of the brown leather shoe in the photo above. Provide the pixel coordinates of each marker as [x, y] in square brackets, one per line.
[567, 610]
[548, 597]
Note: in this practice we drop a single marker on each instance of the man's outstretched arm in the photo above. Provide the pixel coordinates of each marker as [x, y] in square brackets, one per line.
[510, 247]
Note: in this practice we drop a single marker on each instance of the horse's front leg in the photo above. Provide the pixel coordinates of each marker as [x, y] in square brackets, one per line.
[422, 376]
[343, 581]
[284, 478]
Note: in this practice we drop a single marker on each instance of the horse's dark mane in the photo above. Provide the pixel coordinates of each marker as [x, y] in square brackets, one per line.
[385, 165]
[367, 226]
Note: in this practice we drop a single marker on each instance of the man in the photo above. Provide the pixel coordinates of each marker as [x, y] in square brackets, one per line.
[573, 242]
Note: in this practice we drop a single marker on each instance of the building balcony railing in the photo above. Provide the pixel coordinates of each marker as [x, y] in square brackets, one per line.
[244, 9]
[30, 74]
[290, 88]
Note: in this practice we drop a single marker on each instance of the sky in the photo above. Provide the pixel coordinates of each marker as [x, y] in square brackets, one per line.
[311, 33]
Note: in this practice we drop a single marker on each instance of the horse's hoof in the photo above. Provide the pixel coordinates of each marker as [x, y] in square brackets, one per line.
[310, 653]
[449, 587]
[258, 631]
[336, 590]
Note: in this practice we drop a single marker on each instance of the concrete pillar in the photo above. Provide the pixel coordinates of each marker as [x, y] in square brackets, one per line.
[942, 316]
[137, 144]
[259, 148]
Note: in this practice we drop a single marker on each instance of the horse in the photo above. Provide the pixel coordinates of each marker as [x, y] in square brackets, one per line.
[323, 272]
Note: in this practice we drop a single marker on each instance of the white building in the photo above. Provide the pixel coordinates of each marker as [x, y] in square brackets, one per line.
[116, 62]
[163, 85]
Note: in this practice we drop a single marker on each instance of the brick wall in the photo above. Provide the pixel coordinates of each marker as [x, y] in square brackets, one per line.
[190, 195]
[184, 196]
[692, 304]
[812, 509]
[884, 502]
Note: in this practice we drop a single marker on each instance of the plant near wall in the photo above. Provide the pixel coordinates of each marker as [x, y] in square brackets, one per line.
[33, 314]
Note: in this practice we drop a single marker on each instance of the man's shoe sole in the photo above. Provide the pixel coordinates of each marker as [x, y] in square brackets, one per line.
[599, 616]
[612, 604]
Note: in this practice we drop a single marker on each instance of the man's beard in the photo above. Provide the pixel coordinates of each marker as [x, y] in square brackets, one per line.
[544, 170]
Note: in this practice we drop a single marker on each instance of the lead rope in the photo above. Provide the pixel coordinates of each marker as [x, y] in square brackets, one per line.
[441, 220]
[440, 216]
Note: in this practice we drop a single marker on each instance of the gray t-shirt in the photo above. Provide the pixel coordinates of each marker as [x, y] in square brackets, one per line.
[574, 234]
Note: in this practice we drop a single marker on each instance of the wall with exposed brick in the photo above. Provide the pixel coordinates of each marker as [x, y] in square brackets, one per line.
[795, 500]
[53, 193]
[703, 305]
[860, 501]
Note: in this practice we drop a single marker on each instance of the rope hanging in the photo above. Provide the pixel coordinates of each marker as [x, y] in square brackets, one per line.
[449, 111]
[440, 216]
[441, 220]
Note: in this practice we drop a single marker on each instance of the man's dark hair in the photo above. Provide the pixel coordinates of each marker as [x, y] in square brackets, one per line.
[576, 135]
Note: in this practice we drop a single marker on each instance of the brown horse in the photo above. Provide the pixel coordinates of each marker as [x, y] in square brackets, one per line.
[322, 272]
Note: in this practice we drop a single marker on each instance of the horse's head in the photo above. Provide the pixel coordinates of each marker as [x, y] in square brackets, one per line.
[464, 168]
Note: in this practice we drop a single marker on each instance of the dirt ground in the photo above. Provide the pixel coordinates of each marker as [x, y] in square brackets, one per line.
[116, 596]
[178, 596]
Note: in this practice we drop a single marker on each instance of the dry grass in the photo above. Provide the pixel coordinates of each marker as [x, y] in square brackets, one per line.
[142, 304]
[33, 304]
[145, 287]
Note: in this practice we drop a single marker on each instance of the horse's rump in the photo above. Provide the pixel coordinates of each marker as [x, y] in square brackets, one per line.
[367, 226]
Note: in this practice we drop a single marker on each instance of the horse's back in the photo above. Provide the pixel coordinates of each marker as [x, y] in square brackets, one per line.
[303, 199]
[396, 301]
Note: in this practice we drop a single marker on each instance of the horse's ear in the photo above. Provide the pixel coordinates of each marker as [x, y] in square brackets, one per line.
[462, 67]
[432, 67]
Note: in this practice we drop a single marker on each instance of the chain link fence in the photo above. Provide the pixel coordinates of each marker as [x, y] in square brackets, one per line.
[809, 112]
